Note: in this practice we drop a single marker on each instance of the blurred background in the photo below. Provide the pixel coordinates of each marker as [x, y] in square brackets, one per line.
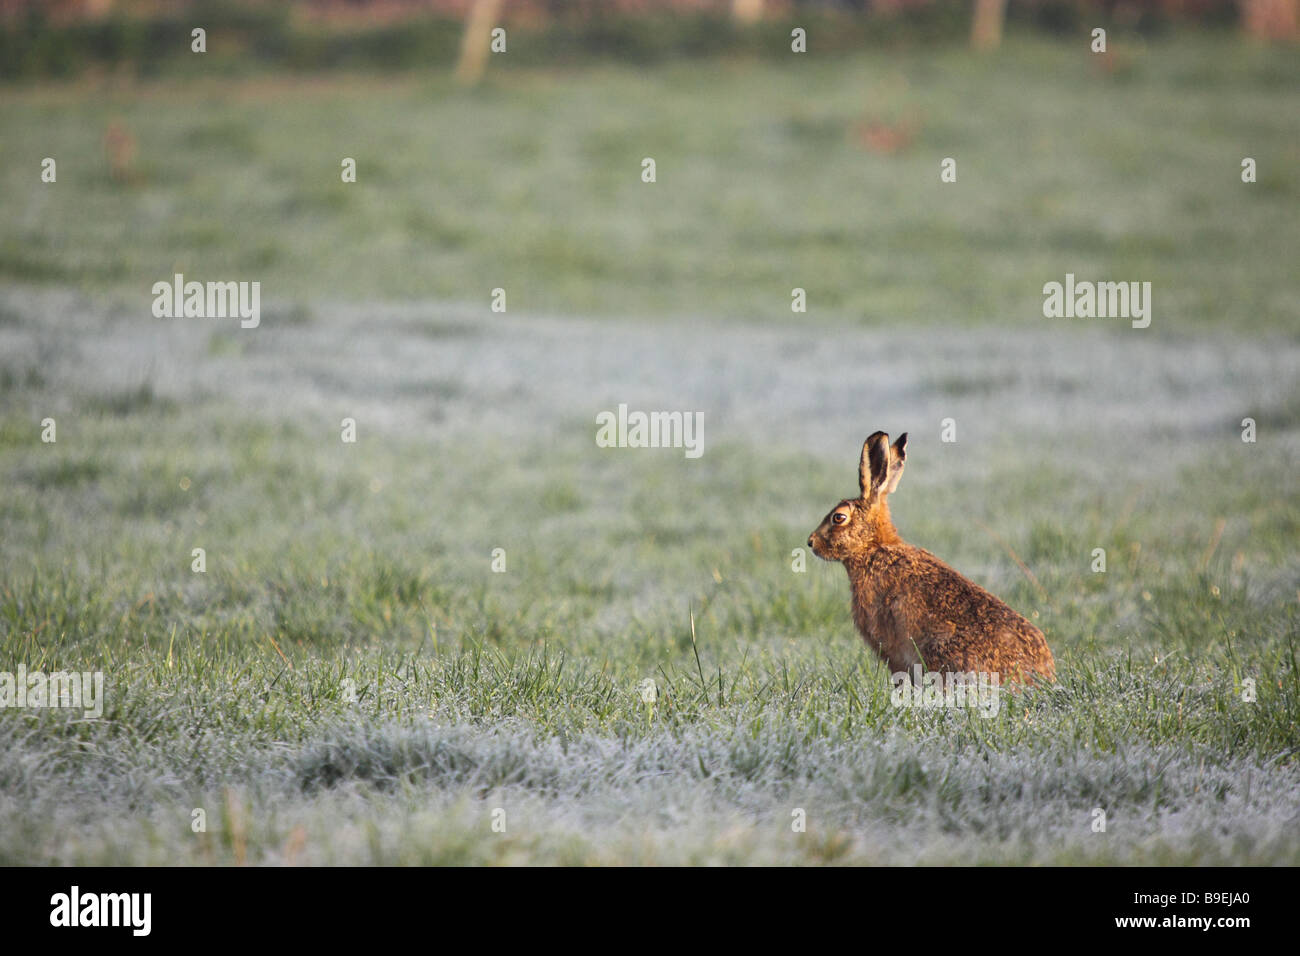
[522, 171]
[68, 36]
[781, 169]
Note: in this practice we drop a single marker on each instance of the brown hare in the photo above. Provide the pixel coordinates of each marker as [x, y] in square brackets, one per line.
[908, 605]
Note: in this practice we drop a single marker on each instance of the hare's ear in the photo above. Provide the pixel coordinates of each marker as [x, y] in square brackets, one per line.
[873, 467]
[897, 455]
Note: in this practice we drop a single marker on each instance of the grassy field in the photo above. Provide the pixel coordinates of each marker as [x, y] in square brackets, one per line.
[767, 180]
[349, 681]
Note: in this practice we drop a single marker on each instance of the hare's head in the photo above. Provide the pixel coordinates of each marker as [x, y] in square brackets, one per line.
[856, 525]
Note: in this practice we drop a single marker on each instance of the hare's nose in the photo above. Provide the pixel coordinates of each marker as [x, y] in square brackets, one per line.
[810, 541]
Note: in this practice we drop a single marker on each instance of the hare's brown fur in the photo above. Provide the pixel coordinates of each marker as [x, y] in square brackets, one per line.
[909, 606]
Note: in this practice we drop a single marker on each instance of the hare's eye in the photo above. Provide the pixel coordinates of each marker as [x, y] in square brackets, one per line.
[839, 517]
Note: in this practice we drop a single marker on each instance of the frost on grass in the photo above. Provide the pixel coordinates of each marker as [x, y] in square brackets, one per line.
[697, 793]
[516, 691]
